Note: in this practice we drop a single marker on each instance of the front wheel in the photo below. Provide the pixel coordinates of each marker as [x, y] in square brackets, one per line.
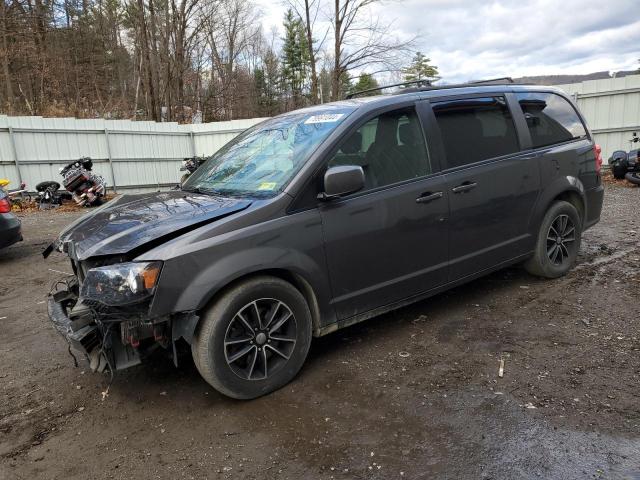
[254, 338]
[558, 242]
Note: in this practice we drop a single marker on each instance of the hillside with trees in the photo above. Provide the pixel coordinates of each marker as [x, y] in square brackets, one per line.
[186, 60]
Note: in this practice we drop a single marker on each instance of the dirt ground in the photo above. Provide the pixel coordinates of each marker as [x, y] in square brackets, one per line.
[414, 394]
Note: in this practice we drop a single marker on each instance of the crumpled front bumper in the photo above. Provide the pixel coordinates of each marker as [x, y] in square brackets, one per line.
[82, 338]
[98, 344]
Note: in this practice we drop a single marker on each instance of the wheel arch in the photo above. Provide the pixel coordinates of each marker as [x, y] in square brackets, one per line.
[291, 277]
[568, 189]
[574, 198]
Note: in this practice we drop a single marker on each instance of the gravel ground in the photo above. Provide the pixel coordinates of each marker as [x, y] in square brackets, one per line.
[411, 394]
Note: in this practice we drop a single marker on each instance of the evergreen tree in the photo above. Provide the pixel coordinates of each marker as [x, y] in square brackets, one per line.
[267, 82]
[365, 82]
[420, 69]
[295, 61]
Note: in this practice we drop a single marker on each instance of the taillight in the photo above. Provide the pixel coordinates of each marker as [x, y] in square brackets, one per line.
[598, 153]
[5, 205]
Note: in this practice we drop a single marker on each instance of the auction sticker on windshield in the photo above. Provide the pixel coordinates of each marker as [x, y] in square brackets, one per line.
[267, 186]
[324, 118]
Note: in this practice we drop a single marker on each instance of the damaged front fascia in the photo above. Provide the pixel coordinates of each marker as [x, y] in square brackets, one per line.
[114, 338]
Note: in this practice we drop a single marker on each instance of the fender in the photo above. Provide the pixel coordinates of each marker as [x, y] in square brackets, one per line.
[562, 185]
[193, 273]
[214, 277]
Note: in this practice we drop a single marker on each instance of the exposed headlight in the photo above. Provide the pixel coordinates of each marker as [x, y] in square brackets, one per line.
[122, 283]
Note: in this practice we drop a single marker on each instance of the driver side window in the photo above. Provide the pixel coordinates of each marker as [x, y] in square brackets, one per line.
[390, 148]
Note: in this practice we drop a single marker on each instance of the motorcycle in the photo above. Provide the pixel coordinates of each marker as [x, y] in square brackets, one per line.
[626, 165]
[87, 188]
[190, 165]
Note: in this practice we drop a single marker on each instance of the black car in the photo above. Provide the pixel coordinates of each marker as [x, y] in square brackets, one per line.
[10, 227]
[326, 216]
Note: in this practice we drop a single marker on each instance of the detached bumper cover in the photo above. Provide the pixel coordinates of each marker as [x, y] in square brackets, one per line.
[98, 344]
[84, 339]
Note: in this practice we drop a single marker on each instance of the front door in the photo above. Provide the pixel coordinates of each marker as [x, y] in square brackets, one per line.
[389, 241]
[492, 185]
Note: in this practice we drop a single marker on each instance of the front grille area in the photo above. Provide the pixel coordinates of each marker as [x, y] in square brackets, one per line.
[78, 271]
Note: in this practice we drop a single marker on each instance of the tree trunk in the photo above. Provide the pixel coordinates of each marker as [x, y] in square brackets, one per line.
[337, 47]
[5, 57]
[312, 56]
[151, 103]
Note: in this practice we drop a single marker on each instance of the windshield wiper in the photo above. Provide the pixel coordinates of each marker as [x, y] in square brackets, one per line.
[211, 191]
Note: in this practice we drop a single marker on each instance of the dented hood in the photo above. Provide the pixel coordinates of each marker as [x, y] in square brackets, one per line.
[131, 221]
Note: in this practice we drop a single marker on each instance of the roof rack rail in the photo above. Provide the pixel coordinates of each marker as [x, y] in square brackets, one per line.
[423, 82]
[423, 85]
[494, 81]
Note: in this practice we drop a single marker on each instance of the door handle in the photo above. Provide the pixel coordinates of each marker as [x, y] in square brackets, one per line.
[428, 197]
[465, 187]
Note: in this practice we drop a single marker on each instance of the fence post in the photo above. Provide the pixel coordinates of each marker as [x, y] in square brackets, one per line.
[193, 144]
[113, 175]
[12, 139]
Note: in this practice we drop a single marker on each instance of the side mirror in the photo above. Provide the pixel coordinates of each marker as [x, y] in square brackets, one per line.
[342, 180]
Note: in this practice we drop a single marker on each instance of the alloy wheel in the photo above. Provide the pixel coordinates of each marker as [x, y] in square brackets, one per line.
[561, 239]
[260, 339]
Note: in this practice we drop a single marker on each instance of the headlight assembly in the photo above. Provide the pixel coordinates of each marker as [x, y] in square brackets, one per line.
[122, 283]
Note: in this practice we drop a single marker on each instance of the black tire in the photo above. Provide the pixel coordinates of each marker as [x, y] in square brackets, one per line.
[224, 334]
[42, 186]
[619, 169]
[633, 177]
[553, 258]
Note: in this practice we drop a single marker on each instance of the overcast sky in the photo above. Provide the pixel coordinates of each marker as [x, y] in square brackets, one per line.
[472, 39]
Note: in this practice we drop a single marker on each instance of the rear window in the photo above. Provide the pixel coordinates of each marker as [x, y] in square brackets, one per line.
[475, 129]
[551, 118]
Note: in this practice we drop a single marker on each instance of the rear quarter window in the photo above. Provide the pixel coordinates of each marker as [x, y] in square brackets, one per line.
[550, 118]
[475, 129]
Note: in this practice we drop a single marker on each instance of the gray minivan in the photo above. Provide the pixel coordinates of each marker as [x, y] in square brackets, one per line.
[326, 216]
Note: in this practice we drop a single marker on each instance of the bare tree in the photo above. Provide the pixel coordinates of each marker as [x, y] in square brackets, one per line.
[362, 40]
[230, 27]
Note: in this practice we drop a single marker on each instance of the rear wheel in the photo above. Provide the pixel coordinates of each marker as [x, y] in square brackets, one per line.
[558, 242]
[254, 339]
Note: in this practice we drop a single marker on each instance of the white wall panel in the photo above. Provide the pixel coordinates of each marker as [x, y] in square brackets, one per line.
[612, 109]
[144, 155]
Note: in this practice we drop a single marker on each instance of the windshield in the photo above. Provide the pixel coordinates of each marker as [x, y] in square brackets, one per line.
[261, 161]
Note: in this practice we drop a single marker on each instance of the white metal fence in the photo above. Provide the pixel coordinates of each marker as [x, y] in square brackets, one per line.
[130, 155]
[612, 109]
[146, 155]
